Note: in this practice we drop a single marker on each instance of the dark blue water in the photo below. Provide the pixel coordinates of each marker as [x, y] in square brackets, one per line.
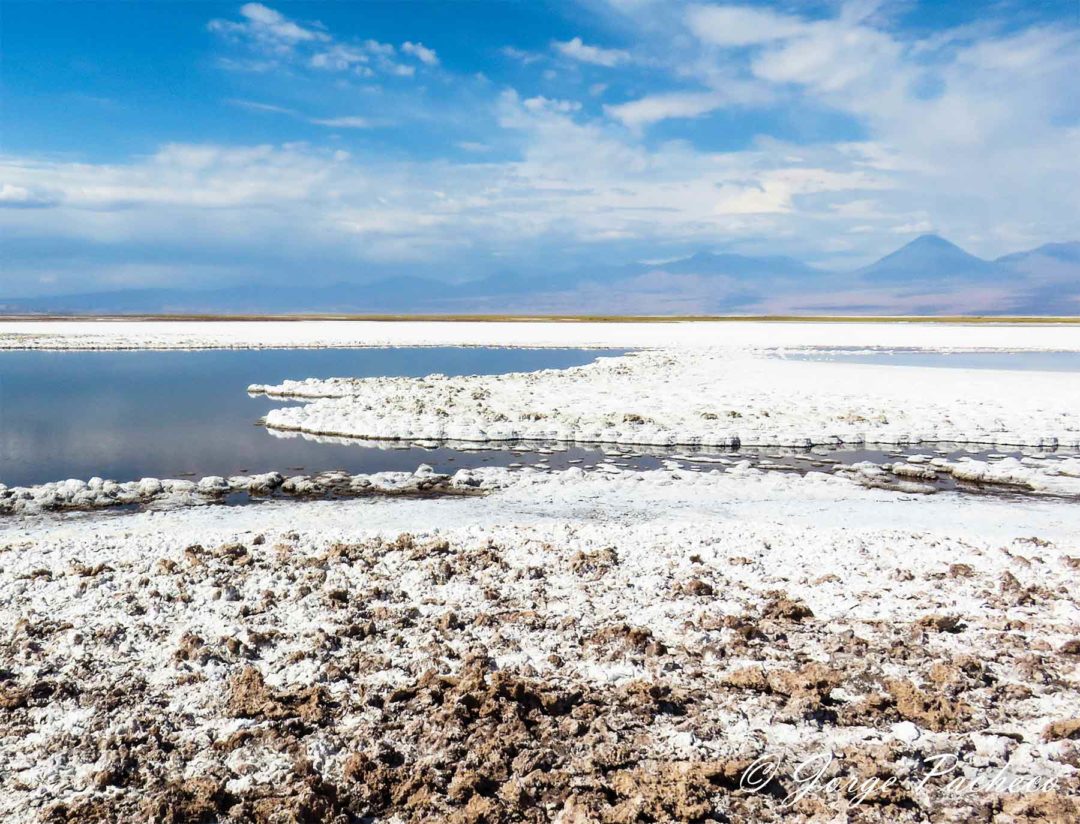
[1013, 361]
[128, 415]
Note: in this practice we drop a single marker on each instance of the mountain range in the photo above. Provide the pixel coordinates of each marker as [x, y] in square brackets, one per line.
[929, 275]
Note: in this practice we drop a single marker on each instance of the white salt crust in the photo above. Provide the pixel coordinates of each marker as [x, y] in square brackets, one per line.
[864, 561]
[113, 334]
[697, 397]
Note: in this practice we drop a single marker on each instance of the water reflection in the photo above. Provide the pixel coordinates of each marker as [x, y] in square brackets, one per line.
[127, 415]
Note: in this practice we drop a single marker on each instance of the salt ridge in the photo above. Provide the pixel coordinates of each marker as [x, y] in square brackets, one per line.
[703, 397]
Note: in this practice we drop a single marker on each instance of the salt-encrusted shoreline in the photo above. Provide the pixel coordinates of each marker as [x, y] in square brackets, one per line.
[703, 397]
[75, 495]
[139, 334]
[918, 474]
[514, 658]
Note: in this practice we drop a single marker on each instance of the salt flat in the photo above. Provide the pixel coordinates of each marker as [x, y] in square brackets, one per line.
[700, 621]
[571, 646]
[158, 334]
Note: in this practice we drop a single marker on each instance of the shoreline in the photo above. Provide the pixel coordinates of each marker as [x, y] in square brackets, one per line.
[86, 335]
[1008, 479]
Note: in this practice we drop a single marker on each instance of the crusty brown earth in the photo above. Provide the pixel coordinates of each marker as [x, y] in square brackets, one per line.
[515, 676]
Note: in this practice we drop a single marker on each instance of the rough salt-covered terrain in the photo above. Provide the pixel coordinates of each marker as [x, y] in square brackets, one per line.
[718, 397]
[708, 641]
[571, 648]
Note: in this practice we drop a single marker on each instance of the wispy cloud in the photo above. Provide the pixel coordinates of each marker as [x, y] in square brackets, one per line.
[268, 28]
[648, 110]
[339, 122]
[339, 57]
[275, 38]
[520, 55]
[420, 52]
[256, 106]
[576, 49]
[741, 25]
[349, 122]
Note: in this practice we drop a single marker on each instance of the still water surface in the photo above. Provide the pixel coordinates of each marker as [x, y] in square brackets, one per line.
[128, 415]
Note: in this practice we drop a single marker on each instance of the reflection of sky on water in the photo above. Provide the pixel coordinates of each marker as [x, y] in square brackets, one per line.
[126, 415]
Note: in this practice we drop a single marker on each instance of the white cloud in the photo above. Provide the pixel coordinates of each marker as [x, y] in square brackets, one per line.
[541, 103]
[741, 25]
[969, 133]
[577, 182]
[277, 24]
[276, 40]
[920, 227]
[727, 92]
[421, 53]
[21, 197]
[339, 58]
[343, 122]
[381, 49]
[524, 57]
[833, 56]
[973, 115]
[13, 194]
[268, 29]
[597, 55]
[648, 110]
[256, 106]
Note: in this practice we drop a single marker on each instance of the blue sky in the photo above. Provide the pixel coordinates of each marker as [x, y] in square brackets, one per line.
[205, 143]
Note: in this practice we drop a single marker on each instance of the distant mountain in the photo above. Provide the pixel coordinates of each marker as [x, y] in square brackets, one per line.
[387, 295]
[1051, 262]
[931, 258]
[1050, 276]
[926, 276]
[740, 267]
[1063, 252]
[704, 264]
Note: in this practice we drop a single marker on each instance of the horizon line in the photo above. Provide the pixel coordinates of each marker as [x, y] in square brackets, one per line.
[545, 318]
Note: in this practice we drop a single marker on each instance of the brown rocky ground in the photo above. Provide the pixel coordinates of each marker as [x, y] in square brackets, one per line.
[538, 674]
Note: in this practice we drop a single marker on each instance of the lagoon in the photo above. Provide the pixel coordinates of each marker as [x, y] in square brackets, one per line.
[127, 415]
